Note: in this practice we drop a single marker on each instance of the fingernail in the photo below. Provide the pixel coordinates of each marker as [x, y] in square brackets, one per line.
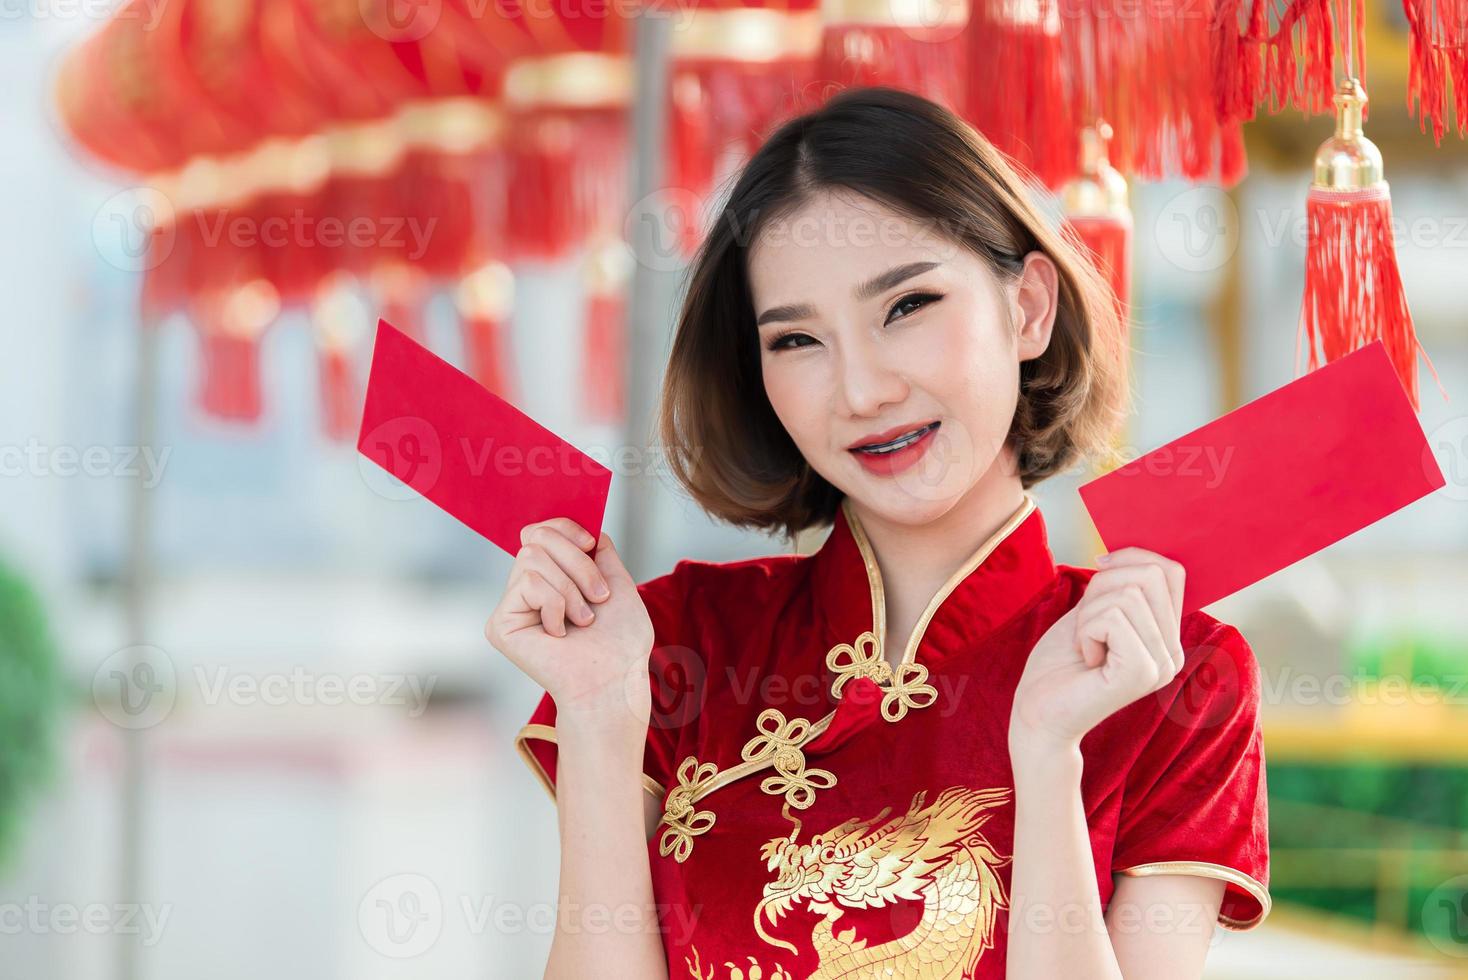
[601, 591]
[1103, 559]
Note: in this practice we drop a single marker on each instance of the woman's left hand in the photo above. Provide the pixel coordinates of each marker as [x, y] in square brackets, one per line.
[1119, 643]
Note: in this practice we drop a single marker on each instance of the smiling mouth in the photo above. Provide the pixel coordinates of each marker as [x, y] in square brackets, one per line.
[901, 442]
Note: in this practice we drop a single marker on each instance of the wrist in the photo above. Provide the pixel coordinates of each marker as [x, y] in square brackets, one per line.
[614, 719]
[1040, 750]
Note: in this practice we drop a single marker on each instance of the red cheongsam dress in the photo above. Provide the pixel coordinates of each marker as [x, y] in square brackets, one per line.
[825, 815]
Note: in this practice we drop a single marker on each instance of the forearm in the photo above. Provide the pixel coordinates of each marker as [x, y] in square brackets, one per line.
[607, 924]
[1056, 924]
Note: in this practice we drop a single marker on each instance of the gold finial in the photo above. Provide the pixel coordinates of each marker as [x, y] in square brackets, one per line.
[1348, 161]
[1100, 190]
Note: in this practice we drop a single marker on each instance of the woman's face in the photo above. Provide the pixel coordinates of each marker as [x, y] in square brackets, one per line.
[873, 327]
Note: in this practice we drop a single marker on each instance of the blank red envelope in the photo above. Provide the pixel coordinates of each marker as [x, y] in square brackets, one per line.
[1273, 481]
[469, 451]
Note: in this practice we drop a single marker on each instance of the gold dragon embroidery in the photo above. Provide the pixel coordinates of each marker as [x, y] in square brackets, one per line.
[937, 855]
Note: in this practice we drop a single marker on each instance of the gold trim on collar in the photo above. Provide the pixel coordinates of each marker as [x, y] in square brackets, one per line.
[879, 596]
[1206, 869]
[547, 733]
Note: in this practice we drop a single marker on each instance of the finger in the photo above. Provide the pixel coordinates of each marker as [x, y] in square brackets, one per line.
[572, 531]
[610, 563]
[541, 595]
[1133, 605]
[539, 560]
[1174, 572]
[576, 563]
[1133, 601]
[1152, 579]
[1128, 666]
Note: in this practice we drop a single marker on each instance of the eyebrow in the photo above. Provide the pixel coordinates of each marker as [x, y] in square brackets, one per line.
[864, 291]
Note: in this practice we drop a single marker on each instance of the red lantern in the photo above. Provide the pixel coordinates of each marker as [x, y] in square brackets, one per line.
[917, 45]
[737, 71]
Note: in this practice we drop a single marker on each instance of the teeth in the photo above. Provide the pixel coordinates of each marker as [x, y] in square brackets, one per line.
[901, 441]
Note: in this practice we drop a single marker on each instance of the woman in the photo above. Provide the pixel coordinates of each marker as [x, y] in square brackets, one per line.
[925, 750]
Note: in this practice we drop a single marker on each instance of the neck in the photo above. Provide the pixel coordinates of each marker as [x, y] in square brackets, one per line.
[915, 561]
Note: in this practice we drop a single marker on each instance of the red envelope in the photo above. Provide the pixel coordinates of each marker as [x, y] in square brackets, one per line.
[1274, 480]
[469, 451]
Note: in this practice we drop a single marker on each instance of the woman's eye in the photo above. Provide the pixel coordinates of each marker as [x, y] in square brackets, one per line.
[921, 299]
[782, 341]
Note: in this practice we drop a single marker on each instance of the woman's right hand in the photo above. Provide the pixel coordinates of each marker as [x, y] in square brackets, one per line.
[575, 623]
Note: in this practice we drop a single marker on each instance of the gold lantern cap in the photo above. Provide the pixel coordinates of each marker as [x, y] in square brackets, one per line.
[1348, 161]
[1100, 190]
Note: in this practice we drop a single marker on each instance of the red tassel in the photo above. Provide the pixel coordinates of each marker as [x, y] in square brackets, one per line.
[340, 400]
[402, 292]
[1353, 290]
[603, 367]
[720, 111]
[1017, 94]
[1109, 242]
[931, 61]
[230, 324]
[229, 386]
[1437, 55]
[483, 344]
[567, 171]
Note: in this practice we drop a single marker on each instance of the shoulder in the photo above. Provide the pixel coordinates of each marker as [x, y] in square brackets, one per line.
[697, 592]
[738, 580]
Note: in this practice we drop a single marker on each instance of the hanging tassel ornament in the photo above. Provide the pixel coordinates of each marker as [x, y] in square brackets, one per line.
[604, 361]
[1096, 210]
[402, 293]
[339, 317]
[736, 72]
[230, 327]
[1437, 59]
[1017, 85]
[484, 299]
[566, 150]
[917, 45]
[1353, 289]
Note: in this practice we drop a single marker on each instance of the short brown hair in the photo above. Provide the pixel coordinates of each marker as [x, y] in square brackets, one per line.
[723, 440]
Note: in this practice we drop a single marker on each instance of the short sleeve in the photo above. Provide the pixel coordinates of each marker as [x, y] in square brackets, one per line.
[1195, 800]
[670, 663]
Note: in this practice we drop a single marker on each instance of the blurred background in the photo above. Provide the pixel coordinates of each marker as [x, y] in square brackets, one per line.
[249, 724]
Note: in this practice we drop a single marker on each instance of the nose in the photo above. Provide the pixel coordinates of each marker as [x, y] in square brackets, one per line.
[869, 382]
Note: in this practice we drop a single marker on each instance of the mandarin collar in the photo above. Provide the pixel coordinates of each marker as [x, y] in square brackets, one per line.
[995, 581]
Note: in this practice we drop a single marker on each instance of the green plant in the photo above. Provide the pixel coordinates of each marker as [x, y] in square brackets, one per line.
[30, 702]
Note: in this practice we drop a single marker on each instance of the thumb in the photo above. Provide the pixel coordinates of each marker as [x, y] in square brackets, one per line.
[608, 561]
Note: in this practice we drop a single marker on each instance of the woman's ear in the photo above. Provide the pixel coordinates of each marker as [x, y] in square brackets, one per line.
[1035, 304]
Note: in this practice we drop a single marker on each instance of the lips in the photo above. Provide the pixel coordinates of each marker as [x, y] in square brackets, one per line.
[893, 439]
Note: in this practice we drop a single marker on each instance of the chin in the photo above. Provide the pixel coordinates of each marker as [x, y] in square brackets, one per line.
[897, 504]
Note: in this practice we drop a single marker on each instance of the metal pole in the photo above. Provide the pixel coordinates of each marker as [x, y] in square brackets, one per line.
[649, 289]
[131, 820]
